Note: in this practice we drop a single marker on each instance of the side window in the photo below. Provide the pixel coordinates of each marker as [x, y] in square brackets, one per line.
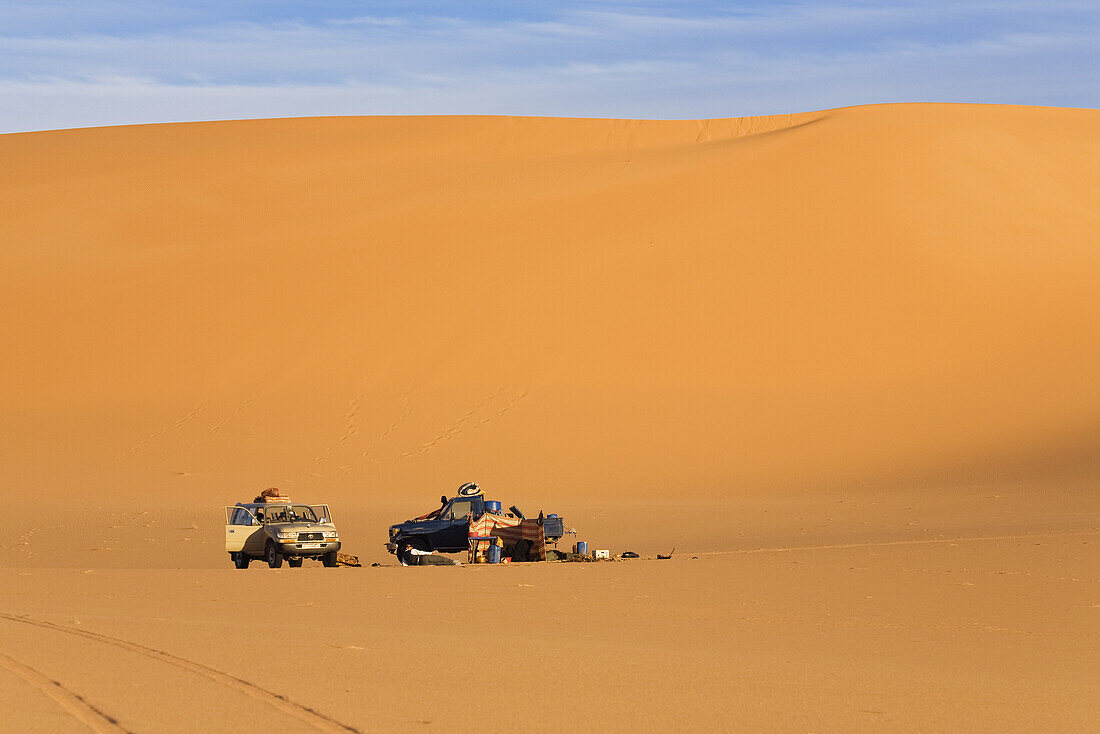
[242, 517]
[458, 510]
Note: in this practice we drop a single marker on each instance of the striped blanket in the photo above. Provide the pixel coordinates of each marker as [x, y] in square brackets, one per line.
[509, 530]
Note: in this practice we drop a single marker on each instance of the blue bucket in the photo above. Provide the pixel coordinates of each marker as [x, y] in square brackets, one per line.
[492, 506]
[494, 553]
[581, 548]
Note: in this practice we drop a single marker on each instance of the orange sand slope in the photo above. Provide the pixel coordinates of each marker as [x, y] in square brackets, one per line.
[867, 297]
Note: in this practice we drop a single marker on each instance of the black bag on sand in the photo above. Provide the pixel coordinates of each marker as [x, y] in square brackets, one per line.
[521, 553]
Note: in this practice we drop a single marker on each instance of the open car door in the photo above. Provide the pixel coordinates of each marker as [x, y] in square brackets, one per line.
[322, 513]
[456, 518]
[241, 527]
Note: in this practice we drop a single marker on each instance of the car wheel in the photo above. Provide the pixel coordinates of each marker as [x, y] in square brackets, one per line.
[240, 560]
[294, 562]
[273, 556]
[330, 560]
[402, 552]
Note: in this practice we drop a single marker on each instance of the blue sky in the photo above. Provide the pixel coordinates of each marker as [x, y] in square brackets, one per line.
[105, 62]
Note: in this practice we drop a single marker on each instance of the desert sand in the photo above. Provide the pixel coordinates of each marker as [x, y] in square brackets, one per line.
[844, 362]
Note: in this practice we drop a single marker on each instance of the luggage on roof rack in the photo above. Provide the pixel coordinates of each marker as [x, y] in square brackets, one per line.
[271, 494]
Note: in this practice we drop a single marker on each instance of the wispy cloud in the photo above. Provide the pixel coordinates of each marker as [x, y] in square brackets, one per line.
[151, 62]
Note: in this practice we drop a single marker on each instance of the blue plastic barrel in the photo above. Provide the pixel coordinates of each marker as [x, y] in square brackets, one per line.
[494, 553]
[492, 506]
[581, 548]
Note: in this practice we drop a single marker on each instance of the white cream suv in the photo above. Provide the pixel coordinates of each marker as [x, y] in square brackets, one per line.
[274, 531]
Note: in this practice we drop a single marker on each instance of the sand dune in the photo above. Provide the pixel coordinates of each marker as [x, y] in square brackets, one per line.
[865, 336]
[870, 295]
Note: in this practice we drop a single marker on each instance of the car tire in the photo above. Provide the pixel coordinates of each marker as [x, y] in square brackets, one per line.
[402, 552]
[330, 560]
[240, 560]
[294, 562]
[272, 555]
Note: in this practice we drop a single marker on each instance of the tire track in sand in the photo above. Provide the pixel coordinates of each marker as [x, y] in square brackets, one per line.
[303, 713]
[72, 702]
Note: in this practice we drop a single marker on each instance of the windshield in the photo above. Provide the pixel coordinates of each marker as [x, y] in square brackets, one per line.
[287, 513]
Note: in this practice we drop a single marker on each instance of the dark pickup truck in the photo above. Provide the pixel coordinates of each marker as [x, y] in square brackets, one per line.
[447, 530]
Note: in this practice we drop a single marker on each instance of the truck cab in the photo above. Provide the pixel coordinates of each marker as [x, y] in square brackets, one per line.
[446, 529]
